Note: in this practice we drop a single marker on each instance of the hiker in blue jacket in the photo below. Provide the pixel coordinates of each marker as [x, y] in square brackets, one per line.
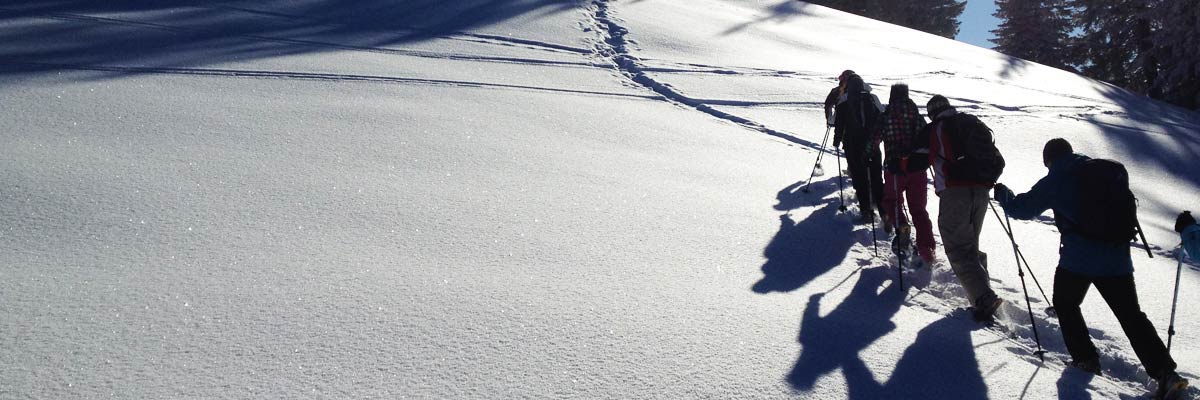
[1189, 232]
[1084, 262]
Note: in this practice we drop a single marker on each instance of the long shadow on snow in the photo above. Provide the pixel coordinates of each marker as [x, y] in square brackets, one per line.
[1073, 384]
[835, 340]
[941, 363]
[1174, 151]
[781, 12]
[802, 251]
[1177, 154]
[191, 33]
[793, 196]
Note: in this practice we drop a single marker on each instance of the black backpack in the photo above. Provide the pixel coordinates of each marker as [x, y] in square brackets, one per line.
[862, 105]
[1107, 208]
[976, 157]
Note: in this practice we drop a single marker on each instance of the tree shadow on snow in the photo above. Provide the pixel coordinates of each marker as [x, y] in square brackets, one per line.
[802, 251]
[53, 35]
[1165, 135]
[780, 13]
[1013, 66]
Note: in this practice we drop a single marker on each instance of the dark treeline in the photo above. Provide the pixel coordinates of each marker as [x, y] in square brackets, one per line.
[1151, 47]
[939, 17]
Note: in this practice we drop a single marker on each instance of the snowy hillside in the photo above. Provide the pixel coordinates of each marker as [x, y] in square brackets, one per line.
[520, 198]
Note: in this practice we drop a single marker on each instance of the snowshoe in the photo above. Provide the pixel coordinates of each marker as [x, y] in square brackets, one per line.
[986, 306]
[902, 244]
[1171, 386]
[1089, 366]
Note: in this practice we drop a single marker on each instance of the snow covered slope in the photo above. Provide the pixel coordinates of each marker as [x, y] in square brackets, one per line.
[520, 198]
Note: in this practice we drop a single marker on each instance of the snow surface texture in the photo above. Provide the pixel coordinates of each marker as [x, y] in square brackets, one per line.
[524, 198]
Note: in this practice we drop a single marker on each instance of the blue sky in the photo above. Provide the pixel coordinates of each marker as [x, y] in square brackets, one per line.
[977, 22]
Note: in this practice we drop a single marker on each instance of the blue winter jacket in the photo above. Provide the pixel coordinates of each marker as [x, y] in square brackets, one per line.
[1191, 241]
[1076, 253]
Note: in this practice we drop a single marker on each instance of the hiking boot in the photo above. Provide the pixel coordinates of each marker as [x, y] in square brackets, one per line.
[886, 219]
[986, 306]
[902, 242]
[1091, 366]
[1171, 386]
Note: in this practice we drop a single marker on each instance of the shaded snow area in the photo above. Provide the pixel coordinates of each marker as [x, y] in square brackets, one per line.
[521, 198]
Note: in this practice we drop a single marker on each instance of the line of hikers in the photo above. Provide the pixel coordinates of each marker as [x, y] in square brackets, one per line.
[1094, 211]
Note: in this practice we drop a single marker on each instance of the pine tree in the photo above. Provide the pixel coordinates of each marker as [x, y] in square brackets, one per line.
[1116, 45]
[939, 17]
[1035, 30]
[1177, 42]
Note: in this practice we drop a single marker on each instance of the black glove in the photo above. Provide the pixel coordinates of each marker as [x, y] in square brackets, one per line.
[1185, 220]
[1000, 192]
[837, 143]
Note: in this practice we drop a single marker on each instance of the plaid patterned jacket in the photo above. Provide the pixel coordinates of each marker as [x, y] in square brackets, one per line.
[897, 128]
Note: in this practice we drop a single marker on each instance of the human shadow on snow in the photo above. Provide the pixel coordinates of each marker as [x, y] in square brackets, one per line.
[941, 363]
[804, 250]
[794, 196]
[1073, 384]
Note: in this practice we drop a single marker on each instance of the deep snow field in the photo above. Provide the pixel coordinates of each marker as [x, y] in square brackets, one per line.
[521, 199]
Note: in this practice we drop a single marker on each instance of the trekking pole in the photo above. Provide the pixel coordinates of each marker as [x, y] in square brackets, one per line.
[1175, 300]
[896, 228]
[1138, 224]
[820, 154]
[1050, 311]
[841, 187]
[871, 199]
[1028, 306]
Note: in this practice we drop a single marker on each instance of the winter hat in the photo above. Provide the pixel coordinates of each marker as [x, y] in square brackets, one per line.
[1185, 220]
[936, 105]
[854, 84]
[1054, 149]
[845, 74]
[899, 93]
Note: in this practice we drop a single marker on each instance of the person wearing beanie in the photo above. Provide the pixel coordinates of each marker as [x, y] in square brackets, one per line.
[835, 96]
[904, 164]
[854, 120]
[1189, 233]
[1085, 261]
[962, 206]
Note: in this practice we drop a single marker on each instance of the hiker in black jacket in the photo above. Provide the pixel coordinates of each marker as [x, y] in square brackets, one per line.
[1086, 261]
[854, 121]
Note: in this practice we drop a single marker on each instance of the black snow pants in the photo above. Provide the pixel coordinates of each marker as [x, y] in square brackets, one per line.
[866, 175]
